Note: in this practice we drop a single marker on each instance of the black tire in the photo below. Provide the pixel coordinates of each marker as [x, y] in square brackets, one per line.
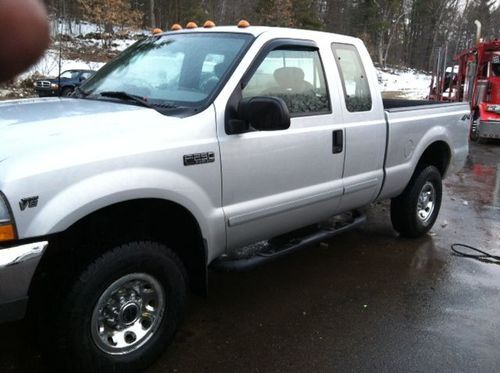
[66, 91]
[77, 347]
[474, 131]
[406, 216]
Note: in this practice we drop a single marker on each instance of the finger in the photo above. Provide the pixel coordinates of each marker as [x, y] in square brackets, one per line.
[24, 35]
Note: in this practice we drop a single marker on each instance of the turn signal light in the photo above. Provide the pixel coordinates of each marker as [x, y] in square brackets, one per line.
[191, 25]
[243, 24]
[7, 232]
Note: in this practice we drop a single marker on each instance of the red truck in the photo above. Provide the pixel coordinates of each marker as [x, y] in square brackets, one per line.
[476, 81]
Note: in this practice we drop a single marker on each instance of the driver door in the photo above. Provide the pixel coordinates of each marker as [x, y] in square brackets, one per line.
[278, 181]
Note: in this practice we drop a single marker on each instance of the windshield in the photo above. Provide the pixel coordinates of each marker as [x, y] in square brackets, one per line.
[175, 69]
[70, 74]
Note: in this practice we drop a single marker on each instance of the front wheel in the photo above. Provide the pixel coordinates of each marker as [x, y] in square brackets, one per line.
[123, 310]
[415, 211]
[474, 131]
[66, 91]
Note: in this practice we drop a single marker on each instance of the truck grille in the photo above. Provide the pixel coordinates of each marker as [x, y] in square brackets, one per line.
[43, 84]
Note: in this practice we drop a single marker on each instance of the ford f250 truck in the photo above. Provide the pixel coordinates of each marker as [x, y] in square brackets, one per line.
[191, 146]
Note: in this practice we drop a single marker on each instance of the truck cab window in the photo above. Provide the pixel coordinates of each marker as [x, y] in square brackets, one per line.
[296, 76]
[495, 68]
[354, 80]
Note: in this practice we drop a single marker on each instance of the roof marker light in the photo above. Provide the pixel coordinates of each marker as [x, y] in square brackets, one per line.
[209, 24]
[156, 31]
[191, 25]
[243, 24]
[176, 27]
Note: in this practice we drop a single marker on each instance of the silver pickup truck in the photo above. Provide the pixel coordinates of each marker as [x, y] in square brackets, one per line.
[220, 148]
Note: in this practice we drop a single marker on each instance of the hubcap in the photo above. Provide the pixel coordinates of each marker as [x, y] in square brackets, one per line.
[128, 314]
[426, 202]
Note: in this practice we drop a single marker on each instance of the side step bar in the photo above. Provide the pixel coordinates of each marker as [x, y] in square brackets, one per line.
[270, 251]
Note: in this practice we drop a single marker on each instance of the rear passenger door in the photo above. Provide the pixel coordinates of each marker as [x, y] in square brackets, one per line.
[277, 181]
[365, 125]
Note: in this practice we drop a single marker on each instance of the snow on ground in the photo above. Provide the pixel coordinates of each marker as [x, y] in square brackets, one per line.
[409, 84]
[84, 28]
[48, 65]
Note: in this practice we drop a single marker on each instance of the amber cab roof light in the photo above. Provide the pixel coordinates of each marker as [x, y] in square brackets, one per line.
[176, 27]
[191, 25]
[243, 24]
[209, 24]
[156, 31]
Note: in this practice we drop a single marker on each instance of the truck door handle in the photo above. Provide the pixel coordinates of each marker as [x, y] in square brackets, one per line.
[338, 141]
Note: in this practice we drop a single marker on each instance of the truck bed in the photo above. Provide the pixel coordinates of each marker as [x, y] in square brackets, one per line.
[412, 127]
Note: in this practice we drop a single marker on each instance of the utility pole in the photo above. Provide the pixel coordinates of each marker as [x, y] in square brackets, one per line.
[60, 21]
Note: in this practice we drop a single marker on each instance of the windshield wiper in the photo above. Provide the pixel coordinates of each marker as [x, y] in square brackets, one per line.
[122, 95]
[160, 107]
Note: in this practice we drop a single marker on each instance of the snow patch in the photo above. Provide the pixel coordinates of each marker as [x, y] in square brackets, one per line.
[410, 84]
[48, 65]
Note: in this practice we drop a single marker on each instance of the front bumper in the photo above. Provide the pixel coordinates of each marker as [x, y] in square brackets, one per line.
[46, 92]
[489, 129]
[17, 266]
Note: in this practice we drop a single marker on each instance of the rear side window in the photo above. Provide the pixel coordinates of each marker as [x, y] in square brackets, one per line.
[354, 81]
[296, 76]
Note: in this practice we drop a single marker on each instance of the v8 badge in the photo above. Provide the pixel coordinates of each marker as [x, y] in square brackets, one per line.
[29, 202]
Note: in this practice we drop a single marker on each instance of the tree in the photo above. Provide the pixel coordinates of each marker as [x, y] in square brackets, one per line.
[108, 14]
[306, 14]
[152, 13]
[389, 15]
[275, 13]
[404, 32]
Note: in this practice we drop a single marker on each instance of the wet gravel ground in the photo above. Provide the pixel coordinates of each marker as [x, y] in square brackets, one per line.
[365, 301]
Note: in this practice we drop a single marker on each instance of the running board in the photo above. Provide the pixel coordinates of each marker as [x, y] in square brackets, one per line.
[274, 249]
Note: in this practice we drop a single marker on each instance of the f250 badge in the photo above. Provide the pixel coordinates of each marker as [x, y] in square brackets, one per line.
[199, 158]
[29, 202]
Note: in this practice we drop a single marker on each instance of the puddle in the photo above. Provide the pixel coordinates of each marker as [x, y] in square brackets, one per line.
[478, 184]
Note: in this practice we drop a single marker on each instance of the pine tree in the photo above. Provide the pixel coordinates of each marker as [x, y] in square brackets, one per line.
[275, 13]
[306, 14]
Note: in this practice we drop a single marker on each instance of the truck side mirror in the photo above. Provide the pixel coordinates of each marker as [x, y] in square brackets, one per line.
[264, 113]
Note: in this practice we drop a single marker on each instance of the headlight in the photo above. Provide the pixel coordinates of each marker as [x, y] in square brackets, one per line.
[7, 230]
[54, 86]
[493, 108]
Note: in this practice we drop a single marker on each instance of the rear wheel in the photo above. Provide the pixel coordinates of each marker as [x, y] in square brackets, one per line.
[123, 310]
[415, 211]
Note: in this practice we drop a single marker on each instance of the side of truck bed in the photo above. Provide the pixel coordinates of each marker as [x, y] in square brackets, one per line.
[415, 127]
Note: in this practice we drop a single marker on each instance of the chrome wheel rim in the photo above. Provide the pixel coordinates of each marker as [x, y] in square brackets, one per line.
[426, 202]
[128, 313]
